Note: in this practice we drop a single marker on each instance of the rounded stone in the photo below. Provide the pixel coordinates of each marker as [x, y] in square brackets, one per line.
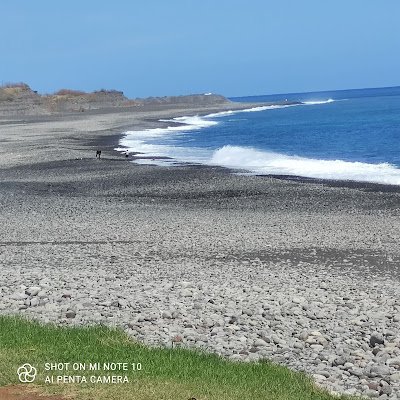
[70, 314]
[33, 290]
[376, 338]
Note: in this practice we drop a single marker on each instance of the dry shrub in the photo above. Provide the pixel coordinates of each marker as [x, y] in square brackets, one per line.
[12, 85]
[69, 92]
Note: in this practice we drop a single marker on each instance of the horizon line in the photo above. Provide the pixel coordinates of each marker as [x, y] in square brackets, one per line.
[316, 91]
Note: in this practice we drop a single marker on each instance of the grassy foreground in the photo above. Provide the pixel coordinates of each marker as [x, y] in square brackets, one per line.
[166, 374]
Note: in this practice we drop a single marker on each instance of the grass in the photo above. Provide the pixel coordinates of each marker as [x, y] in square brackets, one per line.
[167, 374]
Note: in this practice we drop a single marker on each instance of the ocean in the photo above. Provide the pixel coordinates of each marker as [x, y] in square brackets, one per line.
[342, 135]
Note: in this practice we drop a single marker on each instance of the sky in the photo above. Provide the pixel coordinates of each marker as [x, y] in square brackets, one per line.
[172, 47]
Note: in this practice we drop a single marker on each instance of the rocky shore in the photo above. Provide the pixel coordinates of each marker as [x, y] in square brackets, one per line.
[325, 323]
[302, 273]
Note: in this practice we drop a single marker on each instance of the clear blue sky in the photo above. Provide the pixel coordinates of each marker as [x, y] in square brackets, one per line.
[232, 47]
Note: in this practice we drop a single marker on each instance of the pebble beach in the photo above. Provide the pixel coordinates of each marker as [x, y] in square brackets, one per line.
[301, 272]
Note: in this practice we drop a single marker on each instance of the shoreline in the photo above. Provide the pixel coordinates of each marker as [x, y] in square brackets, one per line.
[159, 123]
[250, 267]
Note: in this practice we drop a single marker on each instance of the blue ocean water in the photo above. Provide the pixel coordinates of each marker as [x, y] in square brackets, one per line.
[345, 135]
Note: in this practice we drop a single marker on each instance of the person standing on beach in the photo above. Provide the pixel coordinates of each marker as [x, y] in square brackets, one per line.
[98, 154]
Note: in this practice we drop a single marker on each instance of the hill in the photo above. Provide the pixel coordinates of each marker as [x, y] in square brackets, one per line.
[18, 99]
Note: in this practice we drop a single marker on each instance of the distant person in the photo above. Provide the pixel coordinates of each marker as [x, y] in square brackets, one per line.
[98, 154]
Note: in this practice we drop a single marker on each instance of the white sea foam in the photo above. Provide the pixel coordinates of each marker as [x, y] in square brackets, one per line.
[270, 107]
[146, 142]
[271, 163]
[253, 160]
[252, 109]
[314, 102]
[265, 162]
[220, 114]
[194, 122]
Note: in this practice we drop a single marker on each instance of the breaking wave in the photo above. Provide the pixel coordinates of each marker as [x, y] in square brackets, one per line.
[318, 102]
[157, 146]
[147, 142]
[253, 109]
[271, 163]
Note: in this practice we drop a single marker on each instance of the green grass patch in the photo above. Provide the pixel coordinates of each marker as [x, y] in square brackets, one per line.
[168, 374]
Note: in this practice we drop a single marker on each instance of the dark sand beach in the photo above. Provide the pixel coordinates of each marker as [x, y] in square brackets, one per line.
[303, 272]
